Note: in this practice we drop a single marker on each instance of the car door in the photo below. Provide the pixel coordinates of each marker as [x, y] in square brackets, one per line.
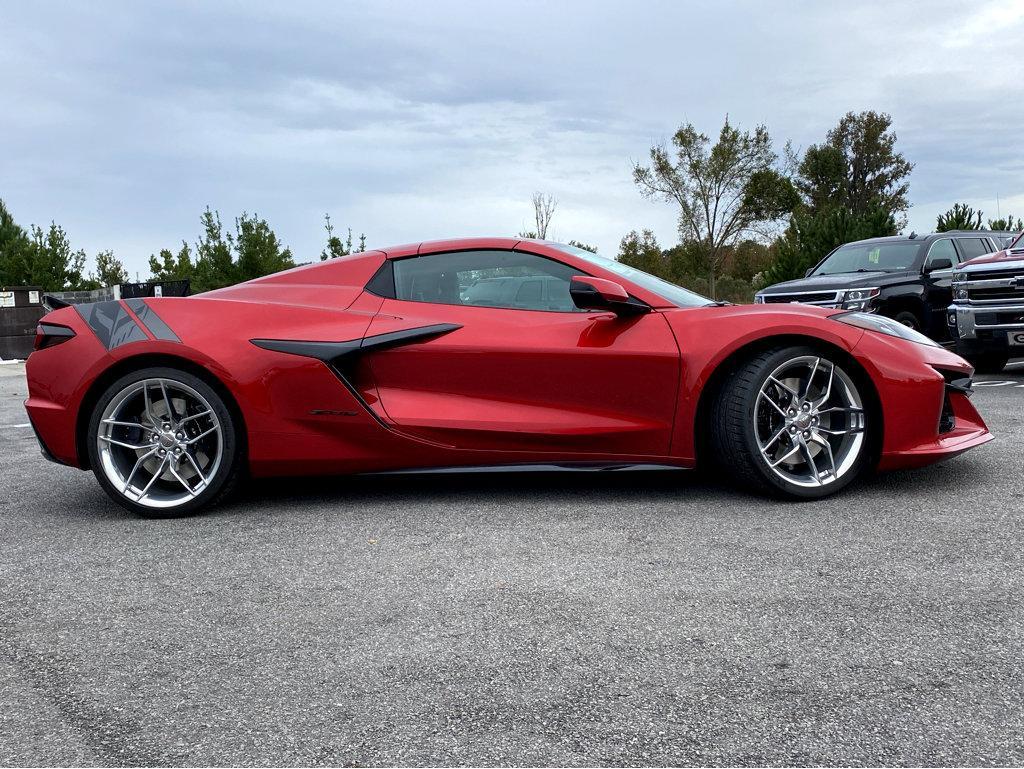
[938, 279]
[515, 366]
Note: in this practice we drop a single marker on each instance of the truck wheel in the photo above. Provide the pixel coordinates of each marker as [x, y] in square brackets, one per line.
[907, 318]
[988, 362]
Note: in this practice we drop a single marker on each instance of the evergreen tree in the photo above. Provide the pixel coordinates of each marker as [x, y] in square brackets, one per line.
[641, 250]
[257, 248]
[583, 246]
[13, 244]
[214, 266]
[1009, 224]
[810, 236]
[960, 217]
[109, 270]
[49, 262]
[171, 266]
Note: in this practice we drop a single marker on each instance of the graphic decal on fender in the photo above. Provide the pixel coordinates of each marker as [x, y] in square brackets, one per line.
[151, 320]
[111, 323]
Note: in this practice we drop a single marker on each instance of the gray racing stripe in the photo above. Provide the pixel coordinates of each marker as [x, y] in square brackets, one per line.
[151, 320]
[111, 323]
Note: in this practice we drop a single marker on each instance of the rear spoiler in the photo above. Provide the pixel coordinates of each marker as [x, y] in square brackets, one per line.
[52, 303]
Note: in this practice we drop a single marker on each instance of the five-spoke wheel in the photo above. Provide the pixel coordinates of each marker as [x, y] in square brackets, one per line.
[792, 420]
[162, 442]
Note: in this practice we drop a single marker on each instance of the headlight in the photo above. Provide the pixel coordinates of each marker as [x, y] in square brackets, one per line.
[960, 292]
[959, 276]
[857, 298]
[882, 325]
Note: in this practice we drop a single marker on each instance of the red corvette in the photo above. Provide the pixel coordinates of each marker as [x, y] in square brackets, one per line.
[482, 352]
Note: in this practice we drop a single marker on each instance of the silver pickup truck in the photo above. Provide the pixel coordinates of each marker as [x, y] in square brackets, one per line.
[986, 318]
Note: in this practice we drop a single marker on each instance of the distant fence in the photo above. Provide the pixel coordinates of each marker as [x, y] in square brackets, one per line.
[21, 308]
[20, 311]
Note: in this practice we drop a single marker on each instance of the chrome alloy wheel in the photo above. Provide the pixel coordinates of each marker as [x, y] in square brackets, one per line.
[159, 442]
[809, 421]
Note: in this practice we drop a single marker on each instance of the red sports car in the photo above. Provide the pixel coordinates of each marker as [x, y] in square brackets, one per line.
[483, 352]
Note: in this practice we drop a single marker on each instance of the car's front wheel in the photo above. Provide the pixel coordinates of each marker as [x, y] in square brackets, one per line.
[791, 421]
[163, 443]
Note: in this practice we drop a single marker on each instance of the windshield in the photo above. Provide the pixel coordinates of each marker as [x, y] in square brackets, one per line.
[677, 295]
[1019, 242]
[896, 256]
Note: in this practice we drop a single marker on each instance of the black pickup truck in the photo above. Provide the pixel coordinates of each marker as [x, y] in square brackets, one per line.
[906, 277]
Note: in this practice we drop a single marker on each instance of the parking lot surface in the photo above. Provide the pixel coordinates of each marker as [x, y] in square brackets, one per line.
[612, 618]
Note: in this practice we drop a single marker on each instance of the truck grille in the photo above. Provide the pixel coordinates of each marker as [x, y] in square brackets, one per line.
[995, 285]
[994, 293]
[805, 297]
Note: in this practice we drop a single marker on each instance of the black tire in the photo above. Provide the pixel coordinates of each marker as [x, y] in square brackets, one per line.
[907, 318]
[219, 486]
[988, 362]
[734, 443]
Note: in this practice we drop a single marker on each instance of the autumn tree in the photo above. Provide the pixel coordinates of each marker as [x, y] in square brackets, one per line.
[724, 191]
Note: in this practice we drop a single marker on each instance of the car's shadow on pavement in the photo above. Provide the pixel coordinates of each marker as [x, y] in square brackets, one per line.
[678, 489]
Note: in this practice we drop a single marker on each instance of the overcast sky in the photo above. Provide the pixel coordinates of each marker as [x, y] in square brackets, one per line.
[415, 121]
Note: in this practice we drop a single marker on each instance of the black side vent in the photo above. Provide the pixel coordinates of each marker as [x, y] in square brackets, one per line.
[946, 419]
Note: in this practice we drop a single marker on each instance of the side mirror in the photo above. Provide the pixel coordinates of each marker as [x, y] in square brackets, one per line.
[939, 264]
[599, 294]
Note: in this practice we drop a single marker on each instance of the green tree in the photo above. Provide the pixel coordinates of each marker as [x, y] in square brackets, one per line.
[336, 246]
[49, 262]
[583, 246]
[723, 191]
[214, 266]
[641, 250]
[857, 168]
[257, 248]
[13, 244]
[1009, 224]
[171, 266]
[960, 217]
[810, 236]
[109, 270]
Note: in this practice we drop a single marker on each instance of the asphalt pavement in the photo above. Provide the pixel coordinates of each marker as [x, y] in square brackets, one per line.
[569, 619]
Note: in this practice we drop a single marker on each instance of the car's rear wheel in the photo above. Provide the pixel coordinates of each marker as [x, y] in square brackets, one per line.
[163, 443]
[791, 421]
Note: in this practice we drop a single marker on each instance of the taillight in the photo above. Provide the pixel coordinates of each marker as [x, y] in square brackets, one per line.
[49, 335]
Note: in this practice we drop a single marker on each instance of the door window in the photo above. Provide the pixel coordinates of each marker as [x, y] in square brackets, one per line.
[972, 247]
[508, 279]
[941, 249]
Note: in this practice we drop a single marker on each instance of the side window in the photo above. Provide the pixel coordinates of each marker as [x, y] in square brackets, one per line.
[941, 249]
[506, 279]
[972, 247]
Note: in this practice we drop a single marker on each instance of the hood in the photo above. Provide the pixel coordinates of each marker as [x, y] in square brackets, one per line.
[837, 281]
[1006, 255]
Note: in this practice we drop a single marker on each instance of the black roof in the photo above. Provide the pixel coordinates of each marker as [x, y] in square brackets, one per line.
[922, 237]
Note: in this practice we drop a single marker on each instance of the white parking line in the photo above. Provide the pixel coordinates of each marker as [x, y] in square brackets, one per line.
[6, 426]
